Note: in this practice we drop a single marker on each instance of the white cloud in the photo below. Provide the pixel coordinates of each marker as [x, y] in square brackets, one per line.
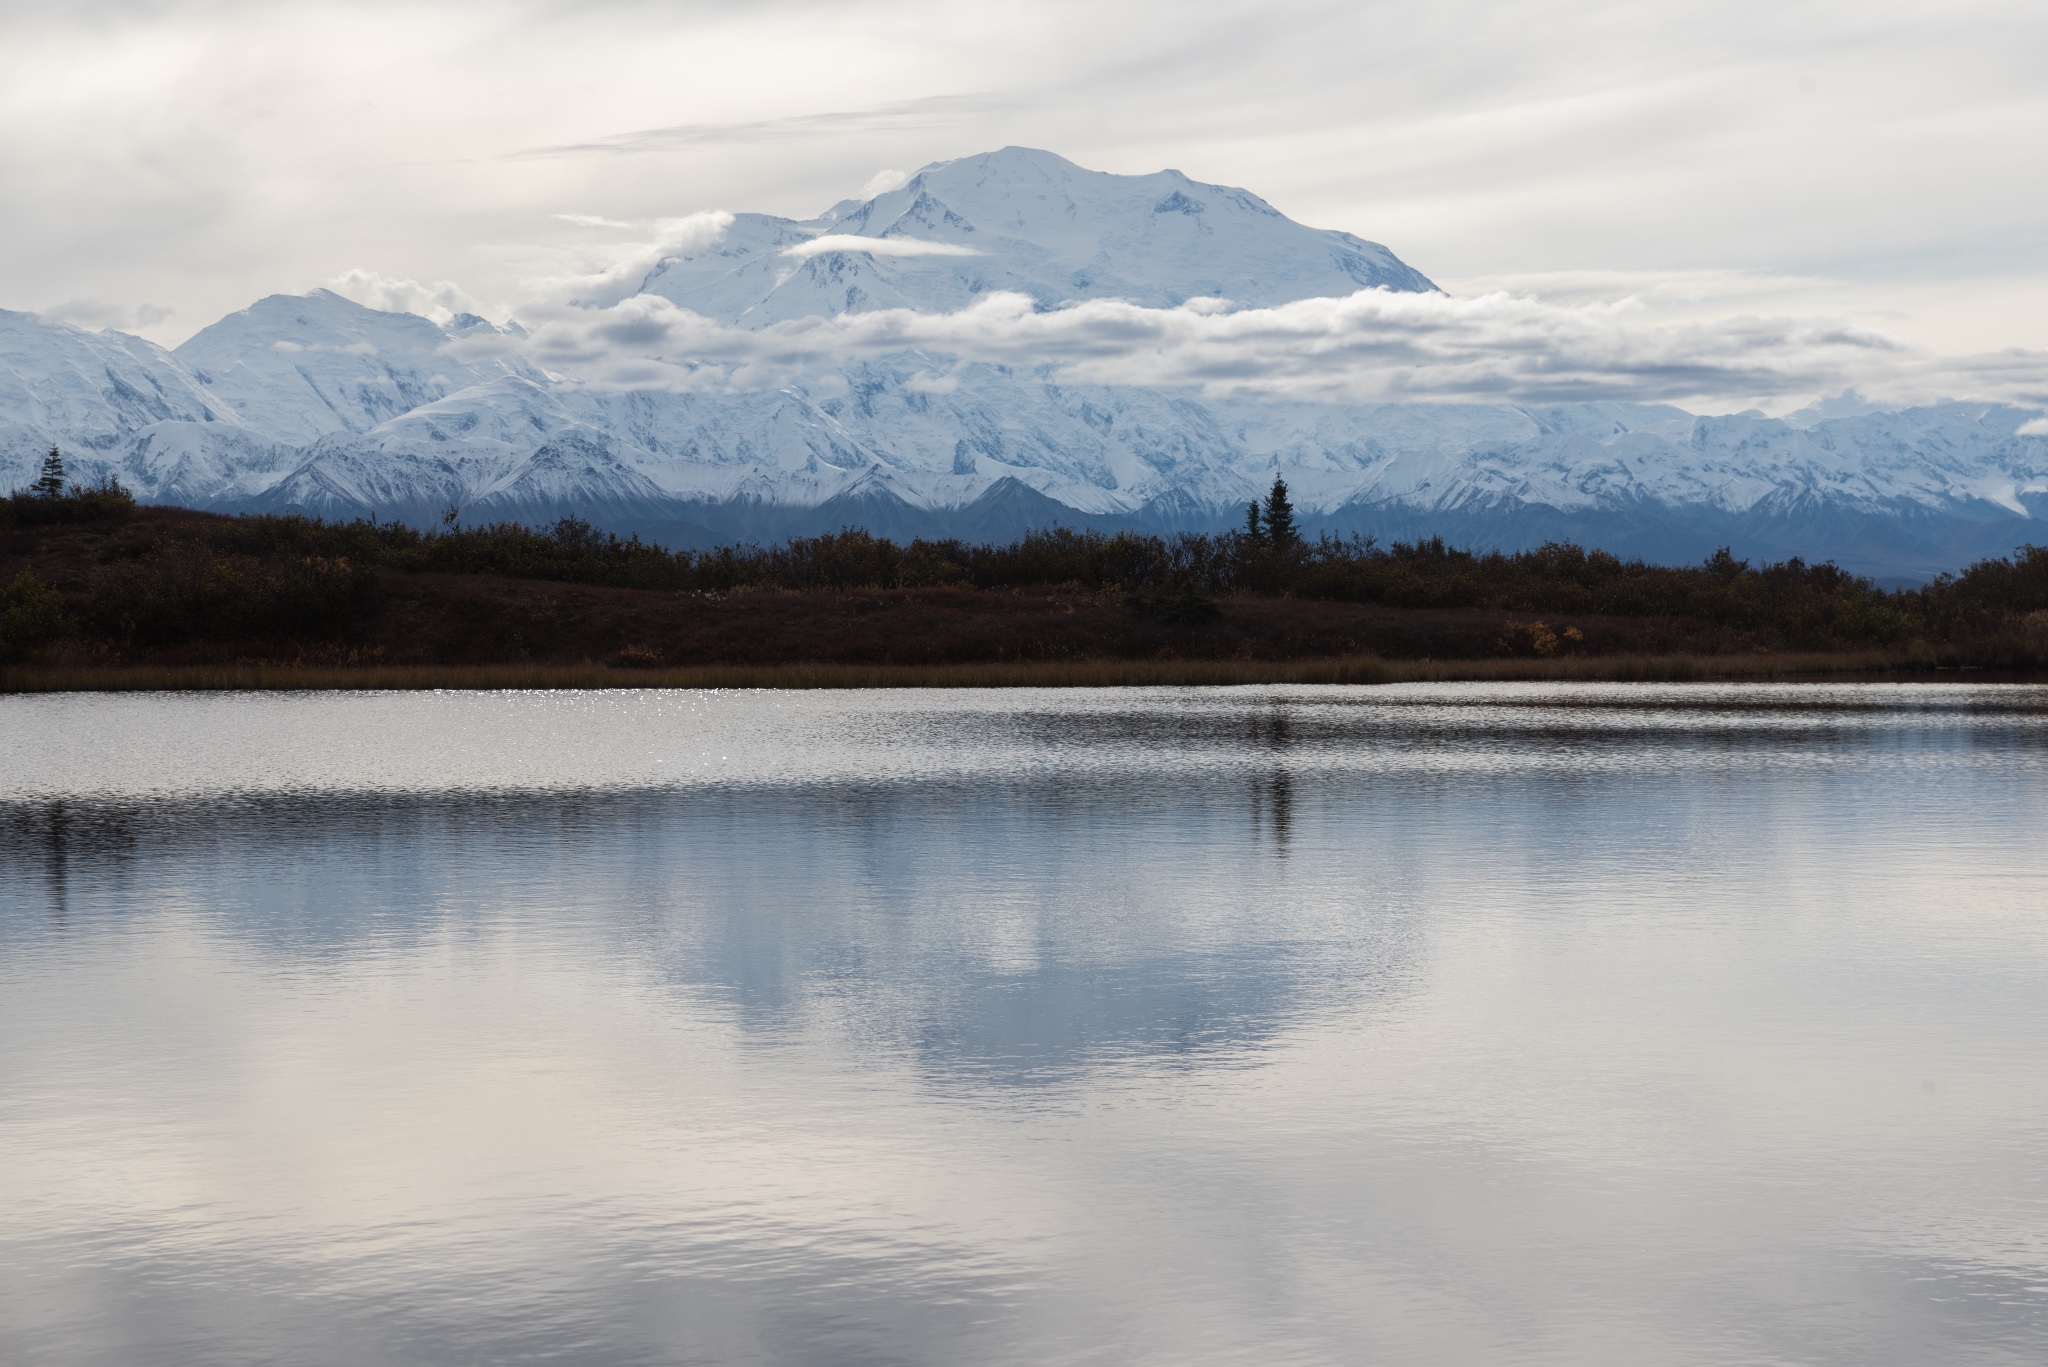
[1661, 287]
[882, 182]
[604, 275]
[2036, 428]
[439, 301]
[877, 246]
[1373, 346]
[160, 150]
[101, 315]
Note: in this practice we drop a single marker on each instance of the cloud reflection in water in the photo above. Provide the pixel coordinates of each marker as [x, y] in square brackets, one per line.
[1444, 1025]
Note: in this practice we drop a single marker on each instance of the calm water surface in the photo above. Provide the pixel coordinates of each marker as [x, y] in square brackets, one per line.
[1431, 1024]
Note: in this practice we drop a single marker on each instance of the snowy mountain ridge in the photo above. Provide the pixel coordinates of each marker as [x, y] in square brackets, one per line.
[318, 404]
[1031, 223]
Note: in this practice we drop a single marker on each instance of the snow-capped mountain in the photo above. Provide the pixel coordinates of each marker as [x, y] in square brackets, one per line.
[318, 404]
[301, 367]
[1028, 222]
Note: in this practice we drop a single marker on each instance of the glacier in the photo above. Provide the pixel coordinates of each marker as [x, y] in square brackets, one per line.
[317, 404]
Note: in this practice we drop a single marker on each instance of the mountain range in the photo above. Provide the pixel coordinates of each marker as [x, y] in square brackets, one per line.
[317, 404]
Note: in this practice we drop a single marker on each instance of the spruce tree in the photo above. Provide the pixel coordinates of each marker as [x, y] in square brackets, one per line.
[1252, 531]
[51, 483]
[1280, 528]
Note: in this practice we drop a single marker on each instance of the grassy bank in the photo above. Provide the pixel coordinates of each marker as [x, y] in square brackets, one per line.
[1011, 674]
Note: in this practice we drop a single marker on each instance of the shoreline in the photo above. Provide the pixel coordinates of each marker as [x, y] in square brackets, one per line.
[1361, 670]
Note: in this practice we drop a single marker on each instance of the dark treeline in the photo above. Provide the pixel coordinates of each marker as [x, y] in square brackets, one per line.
[271, 576]
[273, 571]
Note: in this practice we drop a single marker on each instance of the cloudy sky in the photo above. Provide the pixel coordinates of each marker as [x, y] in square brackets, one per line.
[1875, 164]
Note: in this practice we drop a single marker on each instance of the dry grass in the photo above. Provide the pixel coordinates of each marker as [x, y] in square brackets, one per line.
[1021, 674]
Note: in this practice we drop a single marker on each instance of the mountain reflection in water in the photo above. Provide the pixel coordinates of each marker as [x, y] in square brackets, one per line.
[762, 900]
[1437, 1024]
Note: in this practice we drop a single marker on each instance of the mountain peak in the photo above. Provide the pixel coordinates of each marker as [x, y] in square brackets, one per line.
[1031, 222]
[1012, 159]
[306, 365]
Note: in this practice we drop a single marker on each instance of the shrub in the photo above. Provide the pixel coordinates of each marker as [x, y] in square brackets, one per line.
[1186, 608]
[106, 501]
[186, 592]
[31, 615]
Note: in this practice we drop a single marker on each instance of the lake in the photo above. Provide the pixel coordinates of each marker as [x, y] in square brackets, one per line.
[1462, 1024]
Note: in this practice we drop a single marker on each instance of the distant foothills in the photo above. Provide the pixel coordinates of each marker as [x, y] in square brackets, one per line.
[316, 405]
[97, 591]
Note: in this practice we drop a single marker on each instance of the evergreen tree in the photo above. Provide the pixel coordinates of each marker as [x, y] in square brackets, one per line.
[1280, 528]
[1253, 533]
[51, 483]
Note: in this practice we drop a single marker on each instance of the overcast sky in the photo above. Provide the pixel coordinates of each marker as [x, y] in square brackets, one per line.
[162, 163]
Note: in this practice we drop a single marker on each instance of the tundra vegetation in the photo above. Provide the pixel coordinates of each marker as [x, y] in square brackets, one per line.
[87, 579]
